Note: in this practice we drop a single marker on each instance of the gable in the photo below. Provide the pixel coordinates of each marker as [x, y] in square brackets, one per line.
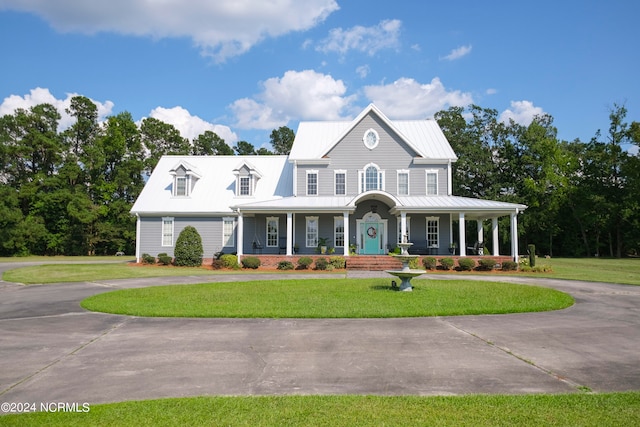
[420, 138]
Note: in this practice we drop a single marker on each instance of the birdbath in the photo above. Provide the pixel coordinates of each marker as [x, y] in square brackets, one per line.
[406, 274]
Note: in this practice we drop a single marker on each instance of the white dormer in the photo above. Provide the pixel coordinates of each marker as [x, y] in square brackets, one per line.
[185, 177]
[247, 177]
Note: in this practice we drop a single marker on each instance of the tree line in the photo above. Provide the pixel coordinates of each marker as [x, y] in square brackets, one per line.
[70, 192]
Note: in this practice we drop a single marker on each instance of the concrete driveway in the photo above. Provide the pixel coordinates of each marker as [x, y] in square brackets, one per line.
[51, 350]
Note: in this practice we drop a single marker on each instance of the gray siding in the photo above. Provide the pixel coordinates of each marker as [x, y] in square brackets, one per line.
[391, 155]
[210, 230]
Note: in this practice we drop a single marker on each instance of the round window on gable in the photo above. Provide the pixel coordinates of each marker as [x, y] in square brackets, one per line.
[371, 139]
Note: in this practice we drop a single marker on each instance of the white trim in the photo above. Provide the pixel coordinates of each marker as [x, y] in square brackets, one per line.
[429, 172]
[403, 172]
[313, 172]
[266, 237]
[306, 231]
[376, 136]
[335, 183]
[162, 233]
[362, 177]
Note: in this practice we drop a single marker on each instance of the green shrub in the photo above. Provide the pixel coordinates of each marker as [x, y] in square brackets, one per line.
[251, 262]
[164, 259]
[466, 264]
[229, 261]
[486, 264]
[304, 262]
[446, 263]
[414, 263]
[430, 263]
[321, 263]
[285, 265]
[337, 262]
[188, 249]
[148, 259]
[509, 266]
[217, 264]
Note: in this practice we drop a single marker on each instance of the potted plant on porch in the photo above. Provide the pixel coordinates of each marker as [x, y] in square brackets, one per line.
[452, 248]
[322, 245]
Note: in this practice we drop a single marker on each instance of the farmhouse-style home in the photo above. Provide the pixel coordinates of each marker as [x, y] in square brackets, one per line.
[356, 186]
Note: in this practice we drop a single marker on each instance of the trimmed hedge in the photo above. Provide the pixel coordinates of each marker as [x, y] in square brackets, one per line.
[430, 263]
[509, 265]
[466, 264]
[188, 250]
[486, 264]
[321, 263]
[338, 262]
[446, 263]
[148, 259]
[304, 262]
[250, 262]
[285, 265]
[164, 259]
[229, 261]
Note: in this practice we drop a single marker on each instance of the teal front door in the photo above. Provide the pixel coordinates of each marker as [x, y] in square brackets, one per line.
[371, 238]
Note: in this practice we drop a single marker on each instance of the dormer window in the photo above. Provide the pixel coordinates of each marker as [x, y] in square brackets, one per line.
[185, 177]
[247, 177]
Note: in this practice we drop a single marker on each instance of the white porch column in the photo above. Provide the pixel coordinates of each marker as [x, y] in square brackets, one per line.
[494, 229]
[403, 226]
[138, 238]
[462, 230]
[514, 235]
[289, 233]
[480, 226]
[240, 234]
[345, 216]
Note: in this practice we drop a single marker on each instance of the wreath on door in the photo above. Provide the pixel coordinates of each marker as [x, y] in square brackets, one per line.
[371, 232]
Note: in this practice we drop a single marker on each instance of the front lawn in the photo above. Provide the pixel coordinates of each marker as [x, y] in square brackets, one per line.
[612, 409]
[333, 298]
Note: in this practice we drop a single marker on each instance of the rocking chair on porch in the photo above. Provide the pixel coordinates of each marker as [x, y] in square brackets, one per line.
[256, 245]
[476, 249]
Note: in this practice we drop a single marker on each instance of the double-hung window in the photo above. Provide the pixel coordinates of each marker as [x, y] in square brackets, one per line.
[403, 183]
[181, 186]
[338, 231]
[272, 232]
[312, 232]
[228, 224]
[340, 178]
[245, 186]
[432, 183]
[167, 231]
[433, 231]
[312, 183]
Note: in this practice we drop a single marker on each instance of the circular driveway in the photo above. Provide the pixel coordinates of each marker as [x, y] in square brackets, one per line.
[53, 350]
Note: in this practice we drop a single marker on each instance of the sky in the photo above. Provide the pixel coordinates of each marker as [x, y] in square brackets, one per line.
[242, 68]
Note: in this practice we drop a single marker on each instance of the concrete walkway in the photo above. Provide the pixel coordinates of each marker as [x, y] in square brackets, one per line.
[51, 350]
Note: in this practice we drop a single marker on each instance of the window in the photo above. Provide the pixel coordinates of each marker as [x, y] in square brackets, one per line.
[312, 183]
[403, 183]
[338, 231]
[312, 232]
[272, 232]
[432, 183]
[167, 231]
[340, 178]
[433, 228]
[227, 232]
[400, 229]
[181, 186]
[371, 178]
[245, 186]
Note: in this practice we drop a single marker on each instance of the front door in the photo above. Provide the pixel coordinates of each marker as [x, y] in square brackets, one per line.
[372, 237]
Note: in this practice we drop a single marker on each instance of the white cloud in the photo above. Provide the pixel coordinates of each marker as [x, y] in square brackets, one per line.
[458, 53]
[221, 28]
[363, 71]
[43, 96]
[521, 112]
[408, 99]
[491, 91]
[298, 95]
[191, 126]
[369, 40]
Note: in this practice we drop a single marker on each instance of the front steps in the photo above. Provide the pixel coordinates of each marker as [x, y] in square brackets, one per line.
[373, 263]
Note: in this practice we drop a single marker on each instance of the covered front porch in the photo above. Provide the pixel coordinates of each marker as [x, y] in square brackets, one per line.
[372, 223]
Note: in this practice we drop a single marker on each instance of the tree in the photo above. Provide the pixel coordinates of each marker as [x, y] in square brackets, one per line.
[188, 251]
[209, 144]
[161, 138]
[245, 148]
[282, 140]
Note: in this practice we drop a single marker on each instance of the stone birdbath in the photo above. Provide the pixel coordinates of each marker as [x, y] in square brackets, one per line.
[406, 274]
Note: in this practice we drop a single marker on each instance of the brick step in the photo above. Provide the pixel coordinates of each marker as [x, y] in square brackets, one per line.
[373, 263]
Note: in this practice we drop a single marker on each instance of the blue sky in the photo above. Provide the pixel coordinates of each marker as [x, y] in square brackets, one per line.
[245, 67]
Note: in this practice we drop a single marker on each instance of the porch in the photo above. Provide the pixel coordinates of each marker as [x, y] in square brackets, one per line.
[365, 262]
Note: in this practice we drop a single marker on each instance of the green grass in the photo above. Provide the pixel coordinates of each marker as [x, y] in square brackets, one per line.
[62, 258]
[610, 270]
[328, 298]
[614, 409]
